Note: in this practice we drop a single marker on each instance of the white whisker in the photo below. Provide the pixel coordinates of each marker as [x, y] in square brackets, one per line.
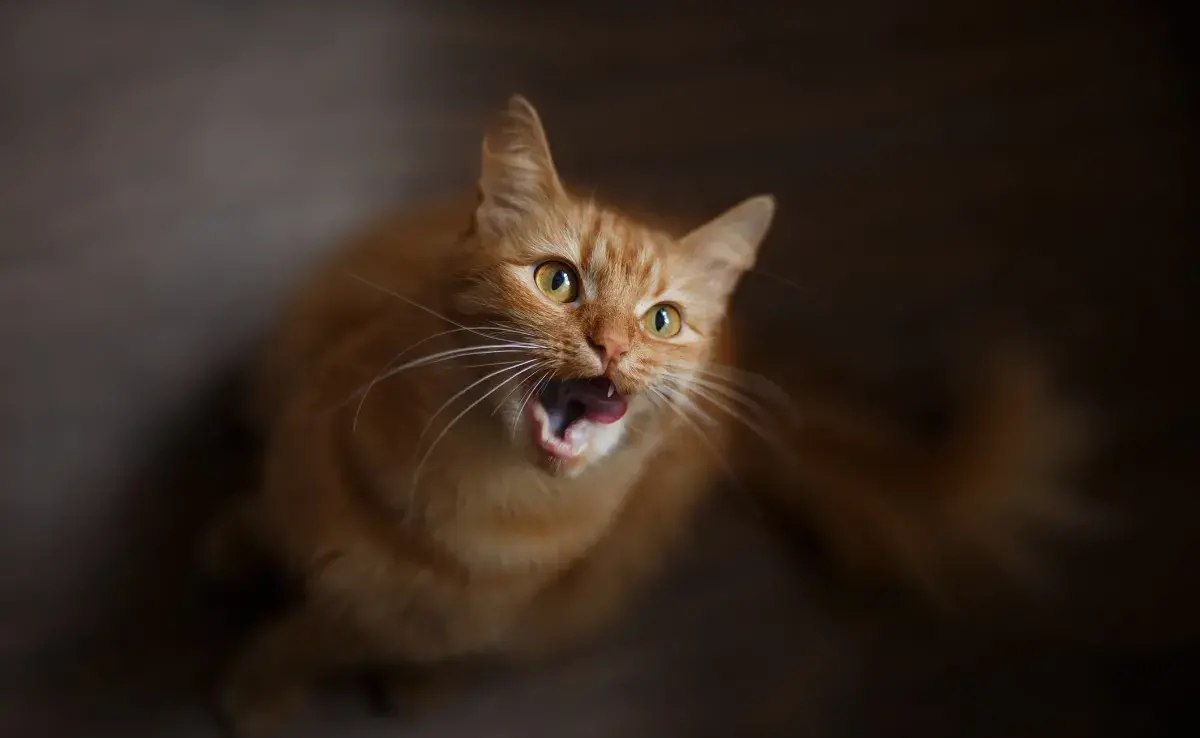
[731, 412]
[445, 430]
[717, 455]
[677, 393]
[490, 363]
[499, 348]
[521, 408]
[467, 389]
[427, 339]
[415, 304]
[749, 381]
[516, 388]
[495, 326]
[504, 348]
[726, 391]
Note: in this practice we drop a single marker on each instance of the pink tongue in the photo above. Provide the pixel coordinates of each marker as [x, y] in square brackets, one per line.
[610, 412]
[599, 406]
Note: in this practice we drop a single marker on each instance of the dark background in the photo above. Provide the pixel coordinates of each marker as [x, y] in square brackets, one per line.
[168, 169]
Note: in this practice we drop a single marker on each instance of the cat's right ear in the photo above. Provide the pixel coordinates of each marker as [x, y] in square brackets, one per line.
[518, 177]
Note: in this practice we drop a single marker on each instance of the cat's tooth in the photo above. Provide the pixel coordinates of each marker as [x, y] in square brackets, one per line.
[611, 389]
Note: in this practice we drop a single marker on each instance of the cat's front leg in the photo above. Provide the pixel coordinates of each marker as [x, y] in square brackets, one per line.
[273, 675]
[409, 689]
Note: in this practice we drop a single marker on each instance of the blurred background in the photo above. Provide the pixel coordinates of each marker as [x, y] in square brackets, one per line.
[169, 169]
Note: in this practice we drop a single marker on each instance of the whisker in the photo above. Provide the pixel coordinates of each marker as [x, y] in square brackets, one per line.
[528, 396]
[510, 329]
[464, 391]
[749, 381]
[676, 390]
[467, 409]
[733, 413]
[456, 353]
[414, 303]
[427, 360]
[430, 338]
[680, 397]
[727, 391]
[491, 363]
[807, 292]
[477, 330]
[516, 388]
[717, 455]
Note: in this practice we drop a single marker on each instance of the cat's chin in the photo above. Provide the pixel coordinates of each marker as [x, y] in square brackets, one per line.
[568, 451]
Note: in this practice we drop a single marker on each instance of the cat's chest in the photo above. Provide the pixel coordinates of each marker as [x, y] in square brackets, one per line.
[518, 517]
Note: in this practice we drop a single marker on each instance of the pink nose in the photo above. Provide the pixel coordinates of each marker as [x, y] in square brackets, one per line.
[610, 346]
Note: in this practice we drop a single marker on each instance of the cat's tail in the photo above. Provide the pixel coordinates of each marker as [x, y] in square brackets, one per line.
[986, 492]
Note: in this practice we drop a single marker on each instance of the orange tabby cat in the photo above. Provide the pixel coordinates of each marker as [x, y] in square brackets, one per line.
[482, 431]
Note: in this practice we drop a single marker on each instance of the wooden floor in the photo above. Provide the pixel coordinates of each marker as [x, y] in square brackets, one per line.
[167, 169]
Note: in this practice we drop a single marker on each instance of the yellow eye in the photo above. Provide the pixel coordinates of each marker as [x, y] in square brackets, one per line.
[557, 281]
[663, 320]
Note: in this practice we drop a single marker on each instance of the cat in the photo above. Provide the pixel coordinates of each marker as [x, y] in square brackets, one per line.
[482, 434]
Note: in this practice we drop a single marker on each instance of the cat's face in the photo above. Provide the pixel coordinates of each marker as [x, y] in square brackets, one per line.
[609, 319]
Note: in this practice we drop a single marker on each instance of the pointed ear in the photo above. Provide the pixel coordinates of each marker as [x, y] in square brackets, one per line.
[518, 175]
[726, 247]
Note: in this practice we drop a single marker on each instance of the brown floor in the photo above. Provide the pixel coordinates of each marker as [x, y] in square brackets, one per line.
[167, 169]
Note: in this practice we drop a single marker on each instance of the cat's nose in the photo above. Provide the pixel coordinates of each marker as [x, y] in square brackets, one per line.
[610, 346]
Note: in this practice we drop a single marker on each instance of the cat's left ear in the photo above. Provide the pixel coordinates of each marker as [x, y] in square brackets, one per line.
[518, 178]
[727, 246]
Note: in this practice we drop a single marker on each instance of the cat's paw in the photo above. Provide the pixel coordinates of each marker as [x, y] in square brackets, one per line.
[405, 691]
[256, 708]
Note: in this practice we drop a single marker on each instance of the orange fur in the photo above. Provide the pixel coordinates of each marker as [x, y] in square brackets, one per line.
[424, 534]
[414, 503]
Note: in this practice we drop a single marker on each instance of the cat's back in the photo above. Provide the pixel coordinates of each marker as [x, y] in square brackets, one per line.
[356, 291]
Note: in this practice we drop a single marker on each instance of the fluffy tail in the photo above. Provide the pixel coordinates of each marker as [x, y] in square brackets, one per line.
[887, 502]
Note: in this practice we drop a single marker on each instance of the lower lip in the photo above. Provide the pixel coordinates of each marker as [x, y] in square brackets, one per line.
[559, 449]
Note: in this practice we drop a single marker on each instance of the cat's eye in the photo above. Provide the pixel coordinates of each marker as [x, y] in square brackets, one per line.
[557, 281]
[663, 320]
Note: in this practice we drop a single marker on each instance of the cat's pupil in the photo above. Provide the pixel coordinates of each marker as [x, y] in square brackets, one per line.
[660, 319]
[558, 280]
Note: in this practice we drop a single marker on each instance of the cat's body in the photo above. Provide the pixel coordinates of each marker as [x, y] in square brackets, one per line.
[483, 532]
[487, 425]
[445, 513]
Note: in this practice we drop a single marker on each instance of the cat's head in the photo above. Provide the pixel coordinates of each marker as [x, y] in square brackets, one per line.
[609, 319]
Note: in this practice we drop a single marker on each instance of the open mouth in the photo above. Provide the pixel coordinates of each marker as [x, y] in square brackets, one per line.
[567, 412]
